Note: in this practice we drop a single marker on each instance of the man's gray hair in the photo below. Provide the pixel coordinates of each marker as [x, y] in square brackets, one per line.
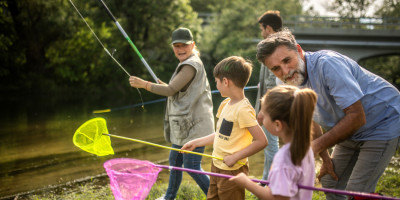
[268, 46]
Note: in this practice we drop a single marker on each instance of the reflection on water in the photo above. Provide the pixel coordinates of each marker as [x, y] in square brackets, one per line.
[36, 148]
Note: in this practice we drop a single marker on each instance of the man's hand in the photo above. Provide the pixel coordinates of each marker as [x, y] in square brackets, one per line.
[327, 168]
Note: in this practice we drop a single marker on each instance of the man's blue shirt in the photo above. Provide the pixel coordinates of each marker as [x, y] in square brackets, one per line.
[340, 82]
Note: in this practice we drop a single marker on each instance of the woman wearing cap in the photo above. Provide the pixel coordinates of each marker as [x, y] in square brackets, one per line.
[189, 110]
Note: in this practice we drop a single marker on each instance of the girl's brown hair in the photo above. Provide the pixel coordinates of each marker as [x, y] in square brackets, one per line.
[294, 107]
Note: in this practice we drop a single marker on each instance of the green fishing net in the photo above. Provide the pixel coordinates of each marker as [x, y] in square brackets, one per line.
[89, 137]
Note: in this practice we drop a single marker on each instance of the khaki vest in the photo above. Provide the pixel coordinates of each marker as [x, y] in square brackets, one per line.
[189, 113]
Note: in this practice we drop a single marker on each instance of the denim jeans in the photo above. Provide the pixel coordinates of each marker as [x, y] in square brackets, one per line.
[358, 165]
[269, 152]
[190, 161]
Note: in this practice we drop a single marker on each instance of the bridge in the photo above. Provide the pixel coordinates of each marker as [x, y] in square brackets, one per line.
[358, 38]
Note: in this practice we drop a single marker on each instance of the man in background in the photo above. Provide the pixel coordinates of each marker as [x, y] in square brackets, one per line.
[270, 22]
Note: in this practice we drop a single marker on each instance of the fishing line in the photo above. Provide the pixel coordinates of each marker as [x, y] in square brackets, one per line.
[151, 102]
[130, 41]
[105, 49]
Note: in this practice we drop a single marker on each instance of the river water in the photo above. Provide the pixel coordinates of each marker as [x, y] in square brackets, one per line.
[36, 140]
[36, 145]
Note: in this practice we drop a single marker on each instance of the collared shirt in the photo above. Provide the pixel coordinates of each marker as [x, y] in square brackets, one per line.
[340, 82]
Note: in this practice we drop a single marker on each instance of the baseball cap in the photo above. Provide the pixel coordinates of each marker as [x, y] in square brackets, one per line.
[182, 35]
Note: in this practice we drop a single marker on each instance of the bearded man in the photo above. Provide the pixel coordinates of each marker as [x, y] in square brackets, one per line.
[358, 111]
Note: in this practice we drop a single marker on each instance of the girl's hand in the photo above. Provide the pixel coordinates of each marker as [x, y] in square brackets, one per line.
[240, 179]
[230, 160]
[137, 82]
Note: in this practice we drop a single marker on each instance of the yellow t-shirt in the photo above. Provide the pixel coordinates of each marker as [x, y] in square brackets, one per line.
[232, 134]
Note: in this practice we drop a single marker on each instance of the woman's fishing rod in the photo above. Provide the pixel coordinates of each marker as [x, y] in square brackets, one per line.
[130, 41]
[105, 49]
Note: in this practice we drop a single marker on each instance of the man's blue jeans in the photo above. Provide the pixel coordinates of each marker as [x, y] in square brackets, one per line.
[190, 161]
[359, 164]
[269, 152]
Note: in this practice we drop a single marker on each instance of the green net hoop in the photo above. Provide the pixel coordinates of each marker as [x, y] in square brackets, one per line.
[89, 137]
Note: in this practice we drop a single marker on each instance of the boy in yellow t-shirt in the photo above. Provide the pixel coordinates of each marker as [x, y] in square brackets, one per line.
[238, 134]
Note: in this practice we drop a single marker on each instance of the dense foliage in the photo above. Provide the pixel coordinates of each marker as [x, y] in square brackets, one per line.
[46, 47]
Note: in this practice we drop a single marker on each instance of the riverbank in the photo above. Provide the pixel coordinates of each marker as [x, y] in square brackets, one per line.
[99, 188]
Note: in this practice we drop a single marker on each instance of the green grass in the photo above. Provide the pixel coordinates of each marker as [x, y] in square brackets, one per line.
[388, 185]
[81, 192]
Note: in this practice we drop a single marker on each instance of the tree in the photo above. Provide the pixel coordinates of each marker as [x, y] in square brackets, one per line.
[234, 30]
[390, 8]
[351, 8]
[387, 67]
[45, 45]
[30, 27]
[150, 27]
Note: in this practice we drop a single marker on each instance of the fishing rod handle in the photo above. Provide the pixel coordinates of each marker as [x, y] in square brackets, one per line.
[149, 69]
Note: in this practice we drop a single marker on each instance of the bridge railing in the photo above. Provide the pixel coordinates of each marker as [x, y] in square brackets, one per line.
[343, 23]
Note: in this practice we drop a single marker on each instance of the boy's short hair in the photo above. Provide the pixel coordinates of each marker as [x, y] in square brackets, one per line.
[271, 18]
[234, 68]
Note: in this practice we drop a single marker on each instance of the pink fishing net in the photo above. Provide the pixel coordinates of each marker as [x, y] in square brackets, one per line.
[131, 179]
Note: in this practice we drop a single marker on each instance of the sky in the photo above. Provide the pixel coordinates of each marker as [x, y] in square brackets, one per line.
[320, 5]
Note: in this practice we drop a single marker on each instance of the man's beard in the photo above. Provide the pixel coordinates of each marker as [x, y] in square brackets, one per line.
[301, 70]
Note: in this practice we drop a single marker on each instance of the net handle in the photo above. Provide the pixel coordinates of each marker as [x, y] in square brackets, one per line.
[342, 192]
[165, 147]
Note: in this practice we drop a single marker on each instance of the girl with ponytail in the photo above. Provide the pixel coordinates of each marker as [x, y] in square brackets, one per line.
[287, 111]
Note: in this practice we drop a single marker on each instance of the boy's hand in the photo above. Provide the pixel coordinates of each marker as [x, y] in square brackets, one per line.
[189, 146]
[230, 160]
